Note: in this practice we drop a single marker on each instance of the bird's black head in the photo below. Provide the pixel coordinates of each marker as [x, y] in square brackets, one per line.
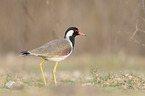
[70, 34]
[72, 31]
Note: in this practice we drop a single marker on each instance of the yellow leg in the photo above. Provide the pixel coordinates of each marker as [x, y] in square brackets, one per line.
[42, 71]
[54, 70]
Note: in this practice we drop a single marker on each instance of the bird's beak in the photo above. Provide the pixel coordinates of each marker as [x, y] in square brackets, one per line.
[81, 34]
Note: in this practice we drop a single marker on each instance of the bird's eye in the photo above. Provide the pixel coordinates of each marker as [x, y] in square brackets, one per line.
[75, 30]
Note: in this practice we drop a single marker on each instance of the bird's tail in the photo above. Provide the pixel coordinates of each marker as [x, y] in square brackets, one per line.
[25, 53]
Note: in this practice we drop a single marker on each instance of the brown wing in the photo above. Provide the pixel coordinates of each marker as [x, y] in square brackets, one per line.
[60, 47]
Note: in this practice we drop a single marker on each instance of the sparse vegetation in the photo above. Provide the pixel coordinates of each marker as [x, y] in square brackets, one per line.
[119, 80]
[99, 75]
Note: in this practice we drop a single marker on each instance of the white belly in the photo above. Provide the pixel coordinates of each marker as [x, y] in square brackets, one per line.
[59, 58]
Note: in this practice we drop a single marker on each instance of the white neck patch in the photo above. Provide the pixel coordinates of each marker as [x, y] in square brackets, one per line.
[69, 33]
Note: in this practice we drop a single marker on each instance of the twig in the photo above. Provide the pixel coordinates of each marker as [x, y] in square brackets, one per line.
[134, 31]
[137, 30]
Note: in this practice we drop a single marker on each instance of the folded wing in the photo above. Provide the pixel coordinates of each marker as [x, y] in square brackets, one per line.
[59, 47]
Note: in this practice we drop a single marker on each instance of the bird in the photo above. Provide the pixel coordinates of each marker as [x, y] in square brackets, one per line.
[55, 50]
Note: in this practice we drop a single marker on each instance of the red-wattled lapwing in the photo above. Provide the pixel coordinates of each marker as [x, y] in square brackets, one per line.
[56, 50]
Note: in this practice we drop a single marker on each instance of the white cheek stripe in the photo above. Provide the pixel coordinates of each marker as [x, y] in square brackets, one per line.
[69, 33]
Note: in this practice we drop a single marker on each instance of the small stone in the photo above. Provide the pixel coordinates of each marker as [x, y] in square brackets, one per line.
[10, 83]
[87, 84]
[126, 75]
